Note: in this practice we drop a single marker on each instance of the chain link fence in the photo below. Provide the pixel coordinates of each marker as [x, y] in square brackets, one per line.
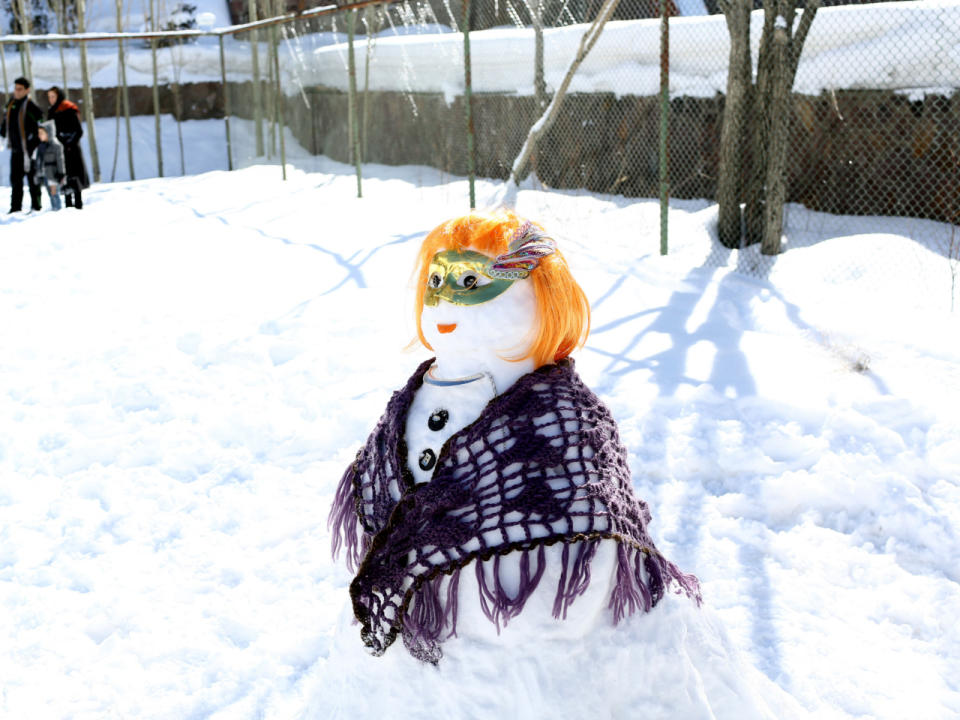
[873, 119]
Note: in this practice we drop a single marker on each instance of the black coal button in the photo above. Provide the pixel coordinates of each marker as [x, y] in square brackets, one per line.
[438, 420]
[427, 459]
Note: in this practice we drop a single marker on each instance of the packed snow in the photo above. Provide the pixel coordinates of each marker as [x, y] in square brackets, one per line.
[190, 363]
[911, 47]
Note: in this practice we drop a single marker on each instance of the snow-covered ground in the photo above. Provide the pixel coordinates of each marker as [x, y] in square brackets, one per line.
[189, 364]
[912, 47]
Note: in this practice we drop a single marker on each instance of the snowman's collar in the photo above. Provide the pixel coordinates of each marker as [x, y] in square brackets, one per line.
[430, 379]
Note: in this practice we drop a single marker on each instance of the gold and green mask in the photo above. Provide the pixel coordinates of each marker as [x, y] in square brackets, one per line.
[460, 277]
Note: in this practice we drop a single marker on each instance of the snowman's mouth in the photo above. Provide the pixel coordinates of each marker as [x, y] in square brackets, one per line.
[444, 328]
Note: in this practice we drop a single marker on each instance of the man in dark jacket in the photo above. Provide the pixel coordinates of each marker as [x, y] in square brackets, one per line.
[19, 126]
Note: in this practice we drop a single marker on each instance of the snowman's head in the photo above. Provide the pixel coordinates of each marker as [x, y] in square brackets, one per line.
[490, 283]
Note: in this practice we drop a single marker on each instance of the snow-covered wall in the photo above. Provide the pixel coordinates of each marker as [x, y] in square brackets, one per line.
[903, 46]
[895, 46]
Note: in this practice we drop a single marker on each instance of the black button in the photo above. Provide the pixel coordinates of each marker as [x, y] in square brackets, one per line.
[438, 420]
[427, 459]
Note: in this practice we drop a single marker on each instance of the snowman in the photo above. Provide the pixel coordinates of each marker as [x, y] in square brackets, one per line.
[492, 527]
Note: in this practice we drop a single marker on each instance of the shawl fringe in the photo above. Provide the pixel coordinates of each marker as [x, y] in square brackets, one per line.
[344, 523]
[642, 578]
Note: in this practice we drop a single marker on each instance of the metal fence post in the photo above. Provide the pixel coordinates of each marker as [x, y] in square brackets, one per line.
[664, 124]
[468, 103]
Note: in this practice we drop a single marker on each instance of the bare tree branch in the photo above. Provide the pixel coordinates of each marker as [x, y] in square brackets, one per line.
[800, 36]
[541, 126]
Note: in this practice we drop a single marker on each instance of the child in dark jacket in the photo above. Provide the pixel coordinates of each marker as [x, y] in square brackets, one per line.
[48, 163]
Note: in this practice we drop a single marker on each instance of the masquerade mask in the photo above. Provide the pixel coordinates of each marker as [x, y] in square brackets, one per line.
[467, 277]
[459, 277]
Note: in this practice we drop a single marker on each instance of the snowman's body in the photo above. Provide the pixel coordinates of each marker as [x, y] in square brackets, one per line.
[674, 661]
[442, 408]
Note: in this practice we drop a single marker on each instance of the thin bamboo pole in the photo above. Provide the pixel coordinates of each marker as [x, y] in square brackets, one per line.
[352, 103]
[664, 124]
[87, 93]
[226, 104]
[468, 104]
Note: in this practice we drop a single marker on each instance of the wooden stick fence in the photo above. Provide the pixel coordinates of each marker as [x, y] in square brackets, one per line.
[154, 36]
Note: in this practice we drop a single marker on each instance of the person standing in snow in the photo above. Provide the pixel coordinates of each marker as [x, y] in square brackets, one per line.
[48, 164]
[69, 131]
[21, 119]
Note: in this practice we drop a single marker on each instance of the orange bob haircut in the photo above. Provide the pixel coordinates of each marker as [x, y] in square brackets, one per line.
[563, 312]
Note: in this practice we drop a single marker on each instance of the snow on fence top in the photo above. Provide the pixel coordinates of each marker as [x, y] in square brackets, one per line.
[895, 46]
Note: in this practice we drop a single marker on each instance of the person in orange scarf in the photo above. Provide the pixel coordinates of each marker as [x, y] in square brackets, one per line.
[69, 131]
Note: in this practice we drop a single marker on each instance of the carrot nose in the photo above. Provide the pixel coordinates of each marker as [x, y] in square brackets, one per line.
[444, 329]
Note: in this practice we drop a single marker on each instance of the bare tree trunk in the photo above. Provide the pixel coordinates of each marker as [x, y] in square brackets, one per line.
[541, 126]
[255, 69]
[272, 81]
[776, 180]
[279, 94]
[59, 11]
[759, 132]
[952, 251]
[353, 122]
[371, 20]
[176, 66]
[116, 134]
[26, 27]
[736, 103]
[123, 89]
[156, 90]
[226, 104]
[785, 57]
[87, 93]
[3, 65]
[539, 82]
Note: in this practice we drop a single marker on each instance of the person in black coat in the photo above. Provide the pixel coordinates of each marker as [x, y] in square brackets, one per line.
[69, 131]
[19, 126]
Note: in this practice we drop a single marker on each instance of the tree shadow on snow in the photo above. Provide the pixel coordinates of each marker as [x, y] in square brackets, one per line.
[730, 371]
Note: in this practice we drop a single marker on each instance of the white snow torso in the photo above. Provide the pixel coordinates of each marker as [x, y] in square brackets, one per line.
[452, 408]
[673, 663]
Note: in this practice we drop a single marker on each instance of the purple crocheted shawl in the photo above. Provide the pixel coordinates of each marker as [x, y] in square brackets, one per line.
[543, 464]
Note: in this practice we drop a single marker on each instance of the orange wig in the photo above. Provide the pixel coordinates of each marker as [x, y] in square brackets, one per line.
[563, 312]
